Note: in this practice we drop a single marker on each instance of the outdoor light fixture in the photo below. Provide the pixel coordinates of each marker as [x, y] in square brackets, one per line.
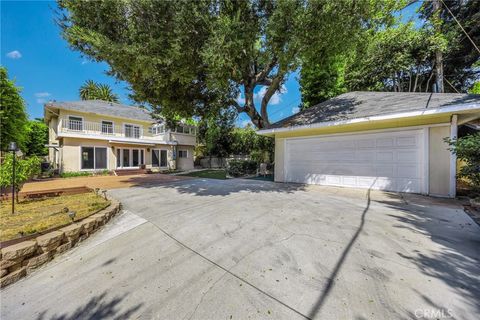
[104, 194]
[72, 214]
[12, 146]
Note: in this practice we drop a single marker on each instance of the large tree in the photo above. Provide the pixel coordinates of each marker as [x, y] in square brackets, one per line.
[190, 58]
[36, 138]
[13, 117]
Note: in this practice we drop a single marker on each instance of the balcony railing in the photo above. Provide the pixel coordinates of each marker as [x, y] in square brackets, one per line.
[105, 129]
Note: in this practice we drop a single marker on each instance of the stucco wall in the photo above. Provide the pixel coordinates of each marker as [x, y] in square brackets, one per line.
[185, 163]
[439, 161]
[279, 159]
[71, 153]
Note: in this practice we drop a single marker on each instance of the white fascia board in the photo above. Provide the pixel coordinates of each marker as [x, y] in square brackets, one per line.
[113, 139]
[451, 109]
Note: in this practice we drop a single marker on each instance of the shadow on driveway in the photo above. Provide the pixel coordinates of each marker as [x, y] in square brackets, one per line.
[97, 307]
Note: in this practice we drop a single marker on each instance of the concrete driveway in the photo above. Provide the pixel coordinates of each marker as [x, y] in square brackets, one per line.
[240, 249]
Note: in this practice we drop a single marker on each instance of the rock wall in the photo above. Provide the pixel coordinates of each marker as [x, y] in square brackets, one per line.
[21, 259]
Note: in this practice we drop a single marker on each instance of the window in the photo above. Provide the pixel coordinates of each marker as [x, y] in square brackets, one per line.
[157, 129]
[159, 158]
[94, 158]
[107, 127]
[182, 153]
[75, 123]
[132, 131]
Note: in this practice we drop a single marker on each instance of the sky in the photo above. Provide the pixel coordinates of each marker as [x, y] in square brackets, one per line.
[45, 68]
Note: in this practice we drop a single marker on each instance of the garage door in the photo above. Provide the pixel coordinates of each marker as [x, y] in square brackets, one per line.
[385, 161]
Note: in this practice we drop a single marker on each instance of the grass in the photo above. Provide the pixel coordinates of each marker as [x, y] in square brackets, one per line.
[208, 173]
[32, 216]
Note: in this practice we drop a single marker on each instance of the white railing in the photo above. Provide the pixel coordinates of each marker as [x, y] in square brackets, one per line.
[103, 128]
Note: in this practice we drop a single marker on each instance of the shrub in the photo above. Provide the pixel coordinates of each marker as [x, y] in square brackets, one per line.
[237, 168]
[467, 149]
[72, 174]
[25, 169]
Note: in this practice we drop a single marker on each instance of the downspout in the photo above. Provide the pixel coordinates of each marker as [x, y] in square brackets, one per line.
[453, 158]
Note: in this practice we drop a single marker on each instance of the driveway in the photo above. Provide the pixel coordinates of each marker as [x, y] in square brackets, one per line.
[242, 249]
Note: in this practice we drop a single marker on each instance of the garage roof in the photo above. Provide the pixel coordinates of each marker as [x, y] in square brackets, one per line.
[103, 108]
[362, 104]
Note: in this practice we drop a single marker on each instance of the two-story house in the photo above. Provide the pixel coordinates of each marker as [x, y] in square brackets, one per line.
[95, 135]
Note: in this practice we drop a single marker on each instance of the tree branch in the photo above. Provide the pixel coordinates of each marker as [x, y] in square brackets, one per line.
[274, 86]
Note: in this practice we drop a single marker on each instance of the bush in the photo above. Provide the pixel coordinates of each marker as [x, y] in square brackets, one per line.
[237, 168]
[25, 169]
[72, 174]
[467, 149]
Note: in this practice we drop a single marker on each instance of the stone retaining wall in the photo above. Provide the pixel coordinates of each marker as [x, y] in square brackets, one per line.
[21, 259]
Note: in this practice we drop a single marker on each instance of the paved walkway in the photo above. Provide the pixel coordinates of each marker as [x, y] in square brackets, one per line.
[103, 182]
[243, 249]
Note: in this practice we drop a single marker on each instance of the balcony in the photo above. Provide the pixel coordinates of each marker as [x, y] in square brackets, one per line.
[106, 129]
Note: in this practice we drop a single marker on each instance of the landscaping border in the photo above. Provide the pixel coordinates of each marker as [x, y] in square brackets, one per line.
[21, 259]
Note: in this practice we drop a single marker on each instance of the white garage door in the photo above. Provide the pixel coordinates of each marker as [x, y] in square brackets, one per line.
[386, 161]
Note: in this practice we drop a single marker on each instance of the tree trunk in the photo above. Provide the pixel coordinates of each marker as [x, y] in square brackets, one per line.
[438, 53]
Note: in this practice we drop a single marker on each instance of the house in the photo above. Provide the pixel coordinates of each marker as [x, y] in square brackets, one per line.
[95, 135]
[381, 140]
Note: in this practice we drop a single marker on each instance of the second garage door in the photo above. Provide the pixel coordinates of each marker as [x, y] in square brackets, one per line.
[386, 161]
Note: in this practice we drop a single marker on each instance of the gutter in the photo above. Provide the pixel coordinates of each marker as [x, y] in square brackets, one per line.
[456, 108]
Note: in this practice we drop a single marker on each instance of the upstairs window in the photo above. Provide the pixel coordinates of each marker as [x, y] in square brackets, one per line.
[107, 127]
[132, 131]
[75, 123]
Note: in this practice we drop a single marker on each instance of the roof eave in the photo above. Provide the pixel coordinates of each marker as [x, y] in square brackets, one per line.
[451, 109]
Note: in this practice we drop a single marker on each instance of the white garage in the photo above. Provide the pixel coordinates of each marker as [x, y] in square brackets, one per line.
[393, 161]
[393, 141]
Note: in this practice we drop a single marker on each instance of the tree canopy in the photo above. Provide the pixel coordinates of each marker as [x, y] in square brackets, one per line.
[193, 58]
[13, 117]
[36, 138]
[91, 90]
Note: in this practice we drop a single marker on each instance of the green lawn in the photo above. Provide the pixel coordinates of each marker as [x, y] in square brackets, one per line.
[208, 173]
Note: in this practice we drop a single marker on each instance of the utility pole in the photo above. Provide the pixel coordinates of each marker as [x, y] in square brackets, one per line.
[438, 54]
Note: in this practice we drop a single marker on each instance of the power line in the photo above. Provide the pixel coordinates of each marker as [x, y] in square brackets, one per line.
[459, 24]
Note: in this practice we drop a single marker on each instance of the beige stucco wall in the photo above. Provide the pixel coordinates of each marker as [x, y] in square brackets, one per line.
[70, 156]
[185, 163]
[279, 159]
[439, 161]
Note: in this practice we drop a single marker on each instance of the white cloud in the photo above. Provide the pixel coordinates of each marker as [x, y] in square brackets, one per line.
[41, 97]
[275, 99]
[15, 54]
[295, 110]
[84, 61]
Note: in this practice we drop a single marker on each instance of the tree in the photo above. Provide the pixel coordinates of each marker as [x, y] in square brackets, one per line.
[91, 90]
[36, 138]
[322, 80]
[397, 58]
[461, 59]
[216, 134]
[467, 149]
[25, 169]
[191, 58]
[13, 118]
[475, 89]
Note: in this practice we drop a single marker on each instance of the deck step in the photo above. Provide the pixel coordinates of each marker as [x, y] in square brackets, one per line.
[129, 172]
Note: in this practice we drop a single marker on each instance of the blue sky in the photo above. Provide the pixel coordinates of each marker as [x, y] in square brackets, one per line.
[45, 68]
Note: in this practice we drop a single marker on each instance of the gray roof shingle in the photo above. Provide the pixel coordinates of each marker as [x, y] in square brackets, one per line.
[360, 104]
[103, 108]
